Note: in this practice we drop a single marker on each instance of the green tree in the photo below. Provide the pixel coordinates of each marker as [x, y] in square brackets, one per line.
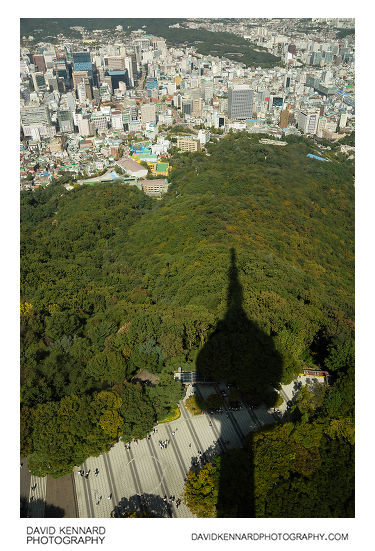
[201, 490]
[62, 323]
[137, 412]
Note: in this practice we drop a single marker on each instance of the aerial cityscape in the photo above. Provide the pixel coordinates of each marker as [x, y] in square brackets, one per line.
[187, 268]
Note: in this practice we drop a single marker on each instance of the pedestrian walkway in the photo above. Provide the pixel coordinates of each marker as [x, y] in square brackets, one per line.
[145, 476]
[141, 477]
[37, 497]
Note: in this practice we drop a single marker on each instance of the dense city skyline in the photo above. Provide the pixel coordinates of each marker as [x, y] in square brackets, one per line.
[116, 84]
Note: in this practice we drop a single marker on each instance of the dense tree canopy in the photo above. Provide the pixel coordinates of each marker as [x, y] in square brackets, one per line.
[114, 282]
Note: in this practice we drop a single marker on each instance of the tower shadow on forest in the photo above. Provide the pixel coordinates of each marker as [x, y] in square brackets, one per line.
[241, 356]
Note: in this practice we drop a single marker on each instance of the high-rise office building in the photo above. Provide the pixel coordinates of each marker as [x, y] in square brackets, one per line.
[24, 67]
[343, 120]
[197, 107]
[148, 113]
[60, 68]
[276, 101]
[327, 77]
[328, 57]
[311, 81]
[82, 62]
[308, 121]
[25, 93]
[115, 63]
[39, 82]
[40, 64]
[208, 90]
[129, 67]
[68, 101]
[316, 58]
[187, 106]
[284, 118]
[116, 120]
[117, 77]
[85, 126]
[96, 94]
[65, 119]
[99, 121]
[34, 116]
[81, 92]
[79, 76]
[68, 49]
[52, 83]
[134, 68]
[240, 102]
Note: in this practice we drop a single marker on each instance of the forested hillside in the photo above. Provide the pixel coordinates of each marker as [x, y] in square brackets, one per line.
[217, 44]
[113, 282]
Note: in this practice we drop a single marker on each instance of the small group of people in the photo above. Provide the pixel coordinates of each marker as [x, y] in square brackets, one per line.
[163, 443]
[83, 473]
[32, 489]
[101, 497]
[172, 499]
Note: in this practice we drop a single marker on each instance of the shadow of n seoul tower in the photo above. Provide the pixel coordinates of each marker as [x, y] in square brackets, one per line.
[242, 365]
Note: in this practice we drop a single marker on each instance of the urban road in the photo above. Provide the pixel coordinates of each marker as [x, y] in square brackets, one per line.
[139, 477]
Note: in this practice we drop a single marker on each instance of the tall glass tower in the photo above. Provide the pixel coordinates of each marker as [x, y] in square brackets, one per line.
[82, 62]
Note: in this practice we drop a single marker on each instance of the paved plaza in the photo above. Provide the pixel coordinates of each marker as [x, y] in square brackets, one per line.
[138, 478]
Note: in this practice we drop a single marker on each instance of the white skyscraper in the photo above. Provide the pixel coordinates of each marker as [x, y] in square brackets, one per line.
[148, 113]
[308, 121]
[240, 102]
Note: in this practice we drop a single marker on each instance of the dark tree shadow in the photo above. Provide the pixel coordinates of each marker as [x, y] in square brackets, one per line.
[23, 507]
[53, 511]
[39, 509]
[239, 353]
[147, 505]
